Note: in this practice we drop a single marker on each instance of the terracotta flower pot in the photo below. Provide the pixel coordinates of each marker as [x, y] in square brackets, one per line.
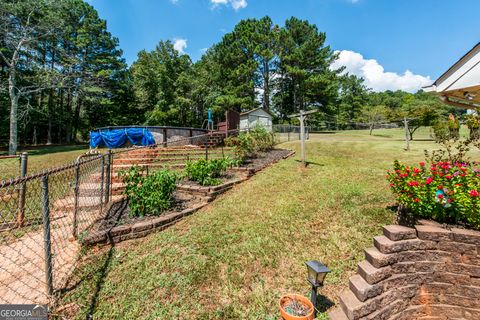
[287, 298]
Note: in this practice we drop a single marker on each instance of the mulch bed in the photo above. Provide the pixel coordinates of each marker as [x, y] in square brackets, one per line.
[266, 158]
[117, 225]
[119, 212]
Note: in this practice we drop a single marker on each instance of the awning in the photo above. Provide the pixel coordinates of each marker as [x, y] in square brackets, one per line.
[460, 85]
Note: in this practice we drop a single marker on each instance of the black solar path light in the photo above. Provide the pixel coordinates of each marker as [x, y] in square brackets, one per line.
[316, 275]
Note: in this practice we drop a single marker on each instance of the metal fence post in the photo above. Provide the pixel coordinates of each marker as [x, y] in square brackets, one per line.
[76, 194]
[102, 181]
[165, 139]
[23, 189]
[206, 151]
[109, 177]
[46, 235]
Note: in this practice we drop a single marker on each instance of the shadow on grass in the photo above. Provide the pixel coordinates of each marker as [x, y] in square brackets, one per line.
[103, 272]
[323, 303]
[308, 163]
[95, 277]
[383, 135]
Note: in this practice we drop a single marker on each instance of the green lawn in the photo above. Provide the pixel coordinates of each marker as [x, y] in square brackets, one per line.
[236, 257]
[42, 158]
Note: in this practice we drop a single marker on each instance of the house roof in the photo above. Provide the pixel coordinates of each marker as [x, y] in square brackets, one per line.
[460, 84]
[256, 109]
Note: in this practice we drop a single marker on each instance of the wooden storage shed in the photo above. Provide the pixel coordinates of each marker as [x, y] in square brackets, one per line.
[258, 116]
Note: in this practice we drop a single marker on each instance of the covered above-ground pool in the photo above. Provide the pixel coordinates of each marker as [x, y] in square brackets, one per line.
[117, 138]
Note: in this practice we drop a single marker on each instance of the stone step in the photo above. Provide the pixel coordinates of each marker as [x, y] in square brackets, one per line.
[396, 232]
[350, 304]
[119, 167]
[337, 314]
[378, 259]
[83, 202]
[363, 290]
[385, 245]
[147, 161]
[371, 274]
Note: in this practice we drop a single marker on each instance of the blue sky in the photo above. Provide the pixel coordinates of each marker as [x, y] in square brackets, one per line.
[394, 44]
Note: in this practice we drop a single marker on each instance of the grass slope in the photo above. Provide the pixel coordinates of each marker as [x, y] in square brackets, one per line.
[236, 257]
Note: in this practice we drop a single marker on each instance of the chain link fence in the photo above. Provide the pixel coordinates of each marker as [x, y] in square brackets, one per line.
[9, 166]
[44, 216]
[286, 132]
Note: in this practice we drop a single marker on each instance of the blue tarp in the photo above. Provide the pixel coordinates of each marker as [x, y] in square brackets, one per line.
[116, 138]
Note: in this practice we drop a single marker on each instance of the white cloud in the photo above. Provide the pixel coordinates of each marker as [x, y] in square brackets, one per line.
[180, 44]
[375, 75]
[174, 1]
[236, 4]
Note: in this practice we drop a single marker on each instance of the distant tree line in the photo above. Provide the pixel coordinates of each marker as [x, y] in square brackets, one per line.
[62, 74]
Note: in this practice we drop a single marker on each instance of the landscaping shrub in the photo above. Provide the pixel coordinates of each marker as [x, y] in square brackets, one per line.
[443, 191]
[262, 139]
[206, 172]
[473, 124]
[242, 145]
[447, 129]
[247, 144]
[149, 195]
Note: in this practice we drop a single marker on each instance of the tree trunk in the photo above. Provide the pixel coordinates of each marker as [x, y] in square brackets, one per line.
[13, 140]
[34, 135]
[371, 128]
[50, 104]
[266, 85]
[68, 125]
[76, 119]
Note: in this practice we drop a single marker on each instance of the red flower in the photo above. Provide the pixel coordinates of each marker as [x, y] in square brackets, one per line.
[429, 180]
[422, 164]
[475, 193]
[440, 187]
[416, 200]
[413, 183]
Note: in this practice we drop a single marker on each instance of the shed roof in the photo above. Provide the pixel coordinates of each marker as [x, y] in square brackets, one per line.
[256, 109]
[460, 84]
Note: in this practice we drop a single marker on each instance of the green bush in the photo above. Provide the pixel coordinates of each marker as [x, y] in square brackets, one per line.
[206, 172]
[247, 144]
[473, 124]
[149, 195]
[262, 139]
[242, 145]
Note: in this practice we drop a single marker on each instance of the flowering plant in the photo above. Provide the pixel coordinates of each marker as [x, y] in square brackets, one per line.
[443, 191]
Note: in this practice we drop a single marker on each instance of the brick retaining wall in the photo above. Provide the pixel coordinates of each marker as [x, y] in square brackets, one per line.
[426, 272]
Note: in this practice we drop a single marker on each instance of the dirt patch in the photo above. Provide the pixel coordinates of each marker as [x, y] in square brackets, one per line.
[263, 159]
[224, 178]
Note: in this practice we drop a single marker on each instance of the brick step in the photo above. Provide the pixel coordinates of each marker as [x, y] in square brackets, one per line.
[83, 202]
[363, 290]
[155, 152]
[350, 304]
[337, 314]
[378, 259]
[146, 161]
[371, 274]
[396, 232]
